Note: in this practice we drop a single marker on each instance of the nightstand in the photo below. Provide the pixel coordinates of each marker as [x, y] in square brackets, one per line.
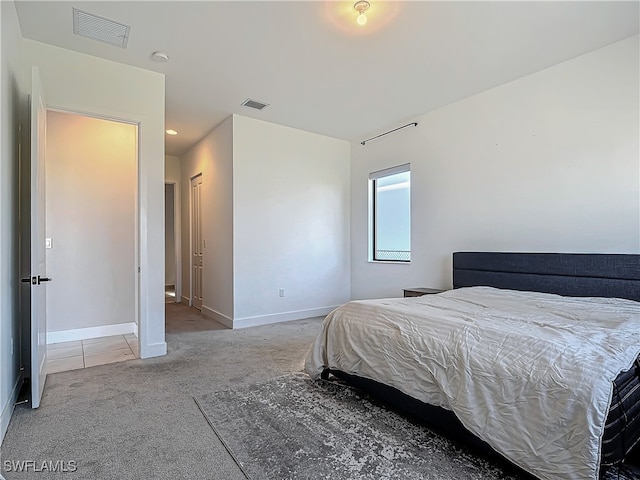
[420, 291]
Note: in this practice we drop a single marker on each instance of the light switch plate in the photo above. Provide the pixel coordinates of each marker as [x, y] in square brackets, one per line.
[48, 243]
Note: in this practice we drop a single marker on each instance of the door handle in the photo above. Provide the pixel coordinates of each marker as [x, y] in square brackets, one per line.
[35, 280]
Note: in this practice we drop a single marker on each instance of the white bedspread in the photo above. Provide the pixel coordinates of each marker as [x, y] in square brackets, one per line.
[529, 373]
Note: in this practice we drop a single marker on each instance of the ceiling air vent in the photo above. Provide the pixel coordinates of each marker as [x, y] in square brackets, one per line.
[99, 28]
[254, 104]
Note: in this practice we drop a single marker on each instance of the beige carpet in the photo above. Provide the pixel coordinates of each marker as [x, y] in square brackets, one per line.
[137, 419]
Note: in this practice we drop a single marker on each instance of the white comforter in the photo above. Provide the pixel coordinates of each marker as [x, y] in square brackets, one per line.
[530, 373]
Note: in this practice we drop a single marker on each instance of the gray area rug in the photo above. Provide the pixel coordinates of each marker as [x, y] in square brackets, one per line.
[294, 427]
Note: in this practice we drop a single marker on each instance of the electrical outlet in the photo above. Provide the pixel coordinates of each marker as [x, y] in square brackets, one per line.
[281, 293]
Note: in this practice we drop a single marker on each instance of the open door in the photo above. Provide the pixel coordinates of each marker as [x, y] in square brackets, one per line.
[38, 276]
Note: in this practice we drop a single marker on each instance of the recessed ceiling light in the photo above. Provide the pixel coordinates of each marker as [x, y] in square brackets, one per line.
[159, 57]
[171, 132]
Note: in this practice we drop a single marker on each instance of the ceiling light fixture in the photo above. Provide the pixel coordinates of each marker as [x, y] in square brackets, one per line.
[361, 6]
[171, 132]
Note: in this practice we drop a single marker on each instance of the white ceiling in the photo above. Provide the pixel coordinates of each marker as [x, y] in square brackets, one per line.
[318, 69]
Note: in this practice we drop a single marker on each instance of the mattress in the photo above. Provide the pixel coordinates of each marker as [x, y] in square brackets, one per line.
[529, 373]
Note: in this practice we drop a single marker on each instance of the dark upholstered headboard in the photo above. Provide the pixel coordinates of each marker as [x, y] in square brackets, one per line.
[571, 274]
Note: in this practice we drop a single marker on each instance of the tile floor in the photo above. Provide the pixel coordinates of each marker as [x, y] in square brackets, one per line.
[65, 356]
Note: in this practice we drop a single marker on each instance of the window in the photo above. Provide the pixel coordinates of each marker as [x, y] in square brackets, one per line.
[390, 214]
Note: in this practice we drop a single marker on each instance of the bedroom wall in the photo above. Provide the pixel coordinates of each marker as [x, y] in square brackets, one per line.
[12, 115]
[91, 199]
[213, 157]
[82, 83]
[546, 163]
[291, 222]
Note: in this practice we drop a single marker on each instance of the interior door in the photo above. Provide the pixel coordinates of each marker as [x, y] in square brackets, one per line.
[38, 277]
[197, 244]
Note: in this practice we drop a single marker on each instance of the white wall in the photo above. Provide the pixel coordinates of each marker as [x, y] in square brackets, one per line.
[12, 114]
[86, 84]
[275, 215]
[548, 162]
[172, 169]
[91, 201]
[290, 222]
[213, 158]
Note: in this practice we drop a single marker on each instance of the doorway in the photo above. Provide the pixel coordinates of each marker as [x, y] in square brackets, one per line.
[197, 243]
[92, 237]
[171, 251]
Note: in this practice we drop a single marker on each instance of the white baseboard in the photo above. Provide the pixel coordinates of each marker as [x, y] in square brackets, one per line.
[218, 317]
[91, 332]
[185, 300]
[7, 408]
[281, 317]
[153, 350]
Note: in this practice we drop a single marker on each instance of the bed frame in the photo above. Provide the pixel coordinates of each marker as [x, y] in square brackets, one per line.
[570, 274]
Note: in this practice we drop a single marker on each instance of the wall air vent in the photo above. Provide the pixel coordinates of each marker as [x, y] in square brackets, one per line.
[99, 28]
[254, 104]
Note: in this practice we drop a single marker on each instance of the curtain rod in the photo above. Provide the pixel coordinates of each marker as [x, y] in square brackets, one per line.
[415, 124]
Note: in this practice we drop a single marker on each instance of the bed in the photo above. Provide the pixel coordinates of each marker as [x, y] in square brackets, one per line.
[533, 355]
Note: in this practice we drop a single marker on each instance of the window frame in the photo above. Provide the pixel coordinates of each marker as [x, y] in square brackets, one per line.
[372, 214]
